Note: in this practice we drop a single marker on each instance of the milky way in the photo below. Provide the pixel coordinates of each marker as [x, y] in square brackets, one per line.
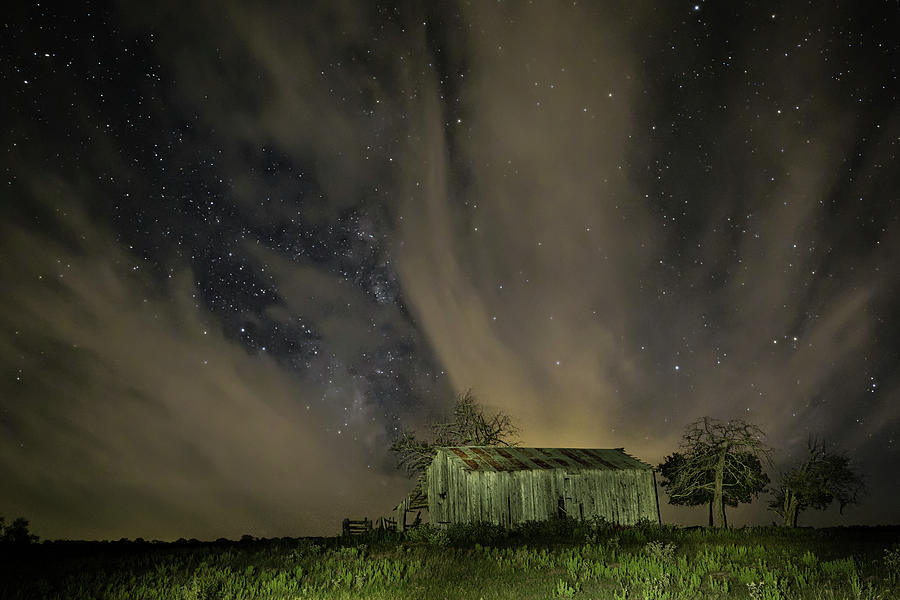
[242, 246]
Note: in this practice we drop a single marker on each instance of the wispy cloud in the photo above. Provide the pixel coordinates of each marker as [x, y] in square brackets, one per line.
[131, 414]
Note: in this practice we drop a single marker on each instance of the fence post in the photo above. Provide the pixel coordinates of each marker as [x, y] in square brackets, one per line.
[346, 527]
[401, 515]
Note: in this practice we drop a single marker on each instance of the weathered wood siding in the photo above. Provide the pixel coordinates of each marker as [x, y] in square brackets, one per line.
[459, 495]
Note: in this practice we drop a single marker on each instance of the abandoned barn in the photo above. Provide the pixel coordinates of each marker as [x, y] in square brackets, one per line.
[510, 485]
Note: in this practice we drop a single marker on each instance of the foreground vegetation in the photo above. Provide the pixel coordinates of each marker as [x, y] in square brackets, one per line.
[559, 559]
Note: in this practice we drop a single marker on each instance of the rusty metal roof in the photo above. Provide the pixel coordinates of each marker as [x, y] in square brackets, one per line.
[514, 458]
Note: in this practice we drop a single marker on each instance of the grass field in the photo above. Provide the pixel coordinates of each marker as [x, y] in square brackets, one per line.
[561, 559]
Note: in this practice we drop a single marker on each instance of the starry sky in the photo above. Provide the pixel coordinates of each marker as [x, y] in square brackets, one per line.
[242, 244]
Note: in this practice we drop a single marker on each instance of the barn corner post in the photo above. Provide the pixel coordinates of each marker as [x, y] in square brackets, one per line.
[401, 515]
[656, 498]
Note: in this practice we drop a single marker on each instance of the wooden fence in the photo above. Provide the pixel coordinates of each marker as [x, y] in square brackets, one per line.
[407, 507]
[350, 527]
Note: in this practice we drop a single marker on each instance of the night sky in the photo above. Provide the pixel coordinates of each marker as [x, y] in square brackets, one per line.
[242, 243]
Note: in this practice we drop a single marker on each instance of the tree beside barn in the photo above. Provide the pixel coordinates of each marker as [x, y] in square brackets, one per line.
[468, 424]
[743, 479]
[825, 476]
[716, 456]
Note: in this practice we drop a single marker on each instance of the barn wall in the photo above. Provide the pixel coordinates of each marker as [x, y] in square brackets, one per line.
[618, 496]
[529, 507]
[511, 497]
[436, 484]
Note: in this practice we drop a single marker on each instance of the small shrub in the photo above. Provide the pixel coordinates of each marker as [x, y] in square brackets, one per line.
[305, 549]
[809, 559]
[347, 552]
[769, 588]
[429, 534]
[659, 550]
[891, 561]
[565, 528]
[657, 588]
[839, 569]
[564, 590]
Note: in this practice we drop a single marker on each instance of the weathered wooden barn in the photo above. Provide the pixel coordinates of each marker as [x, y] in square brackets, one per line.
[510, 485]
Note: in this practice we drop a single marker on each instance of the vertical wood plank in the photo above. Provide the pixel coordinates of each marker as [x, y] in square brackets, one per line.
[635, 495]
[528, 496]
[590, 486]
[548, 500]
[631, 496]
[515, 490]
[486, 496]
[600, 494]
[612, 494]
[476, 485]
[498, 504]
[501, 506]
[556, 489]
[505, 499]
[537, 493]
[587, 497]
[465, 512]
[470, 500]
[655, 497]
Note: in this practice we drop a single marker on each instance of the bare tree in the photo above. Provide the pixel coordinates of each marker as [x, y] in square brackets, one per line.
[468, 425]
[719, 460]
[825, 476]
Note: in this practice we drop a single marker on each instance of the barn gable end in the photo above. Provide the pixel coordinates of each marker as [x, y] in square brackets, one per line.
[511, 485]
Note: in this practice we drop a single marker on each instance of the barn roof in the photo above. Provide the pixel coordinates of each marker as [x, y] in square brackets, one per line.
[514, 458]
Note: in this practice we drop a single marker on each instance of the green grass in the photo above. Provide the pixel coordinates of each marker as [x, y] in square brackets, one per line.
[561, 559]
